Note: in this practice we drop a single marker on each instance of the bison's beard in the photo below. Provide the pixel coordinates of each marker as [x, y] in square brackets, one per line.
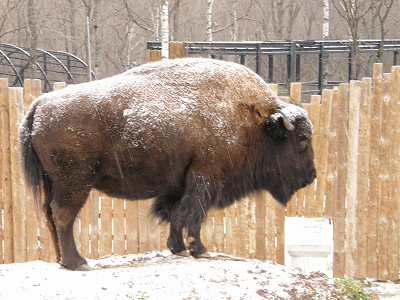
[282, 194]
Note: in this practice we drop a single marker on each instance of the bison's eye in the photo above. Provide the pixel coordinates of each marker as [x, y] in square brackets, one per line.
[303, 143]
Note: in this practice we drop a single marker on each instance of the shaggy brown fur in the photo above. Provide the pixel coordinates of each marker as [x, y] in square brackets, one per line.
[193, 133]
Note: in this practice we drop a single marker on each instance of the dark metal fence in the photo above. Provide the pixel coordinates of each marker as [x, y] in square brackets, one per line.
[18, 63]
[332, 59]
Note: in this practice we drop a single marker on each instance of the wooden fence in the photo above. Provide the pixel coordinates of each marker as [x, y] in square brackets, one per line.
[356, 140]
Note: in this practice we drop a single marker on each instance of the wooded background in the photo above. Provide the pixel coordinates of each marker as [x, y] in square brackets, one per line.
[121, 28]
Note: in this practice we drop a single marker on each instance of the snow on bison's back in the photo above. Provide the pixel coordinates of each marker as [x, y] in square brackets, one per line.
[194, 133]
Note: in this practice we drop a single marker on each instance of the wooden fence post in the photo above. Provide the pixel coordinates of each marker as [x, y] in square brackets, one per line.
[5, 173]
[340, 210]
[352, 177]
[374, 167]
[31, 210]
[394, 253]
[18, 190]
[296, 204]
[177, 50]
[363, 178]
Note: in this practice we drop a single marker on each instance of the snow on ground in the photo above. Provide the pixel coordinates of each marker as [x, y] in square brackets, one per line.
[161, 275]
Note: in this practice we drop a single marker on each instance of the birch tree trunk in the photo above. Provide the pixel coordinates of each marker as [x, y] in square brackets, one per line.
[33, 33]
[164, 30]
[209, 20]
[235, 21]
[325, 36]
[325, 24]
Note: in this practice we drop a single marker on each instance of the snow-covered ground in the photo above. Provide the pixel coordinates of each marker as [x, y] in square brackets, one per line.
[161, 275]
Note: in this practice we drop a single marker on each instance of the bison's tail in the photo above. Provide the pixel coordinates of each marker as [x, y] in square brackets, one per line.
[35, 175]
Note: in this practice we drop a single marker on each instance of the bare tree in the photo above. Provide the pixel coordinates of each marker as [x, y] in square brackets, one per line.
[381, 9]
[164, 21]
[326, 19]
[210, 4]
[353, 11]
[32, 15]
[6, 10]
[136, 19]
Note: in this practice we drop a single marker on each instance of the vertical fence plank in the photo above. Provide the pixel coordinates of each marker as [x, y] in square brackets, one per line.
[177, 50]
[363, 178]
[105, 237]
[339, 210]
[270, 221]
[83, 234]
[143, 226]
[5, 172]
[260, 225]
[229, 213]
[236, 229]
[118, 226]
[334, 147]
[311, 201]
[153, 229]
[32, 212]
[164, 229]
[352, 179]
[384, 238]
[208, 231]
[58, 85]
[219, 234]
[244, 225]
[374, 166]
[391, 203]
[323, 150]
[47, 250]
[252, 227]
[280, 232]
[274, 87]
[93, 204]
[132, 227]
[394, 209]
[154, 55]
[18, 191]
[296, 204]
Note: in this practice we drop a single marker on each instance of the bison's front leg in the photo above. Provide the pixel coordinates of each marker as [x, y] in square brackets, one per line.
[175, 239]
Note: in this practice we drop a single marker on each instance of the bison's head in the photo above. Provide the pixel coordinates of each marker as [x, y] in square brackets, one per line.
[291, 165]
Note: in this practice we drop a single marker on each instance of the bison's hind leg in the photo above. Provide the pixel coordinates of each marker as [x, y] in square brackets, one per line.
[65, 206]
[48, 197]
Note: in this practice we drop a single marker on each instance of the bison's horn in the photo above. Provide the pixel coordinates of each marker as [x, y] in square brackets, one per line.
[288, 125]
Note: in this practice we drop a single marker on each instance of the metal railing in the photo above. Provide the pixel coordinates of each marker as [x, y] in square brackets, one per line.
[267, 54]
[17, 63]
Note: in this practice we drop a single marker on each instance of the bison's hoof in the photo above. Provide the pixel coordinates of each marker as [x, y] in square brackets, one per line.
[184, 253]
[201, 255]
[84, 267]
[75, 265]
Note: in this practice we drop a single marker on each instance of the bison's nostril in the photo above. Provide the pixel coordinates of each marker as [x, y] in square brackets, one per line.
[313, 174]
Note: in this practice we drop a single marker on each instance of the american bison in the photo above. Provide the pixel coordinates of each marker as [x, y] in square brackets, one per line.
[192, 133]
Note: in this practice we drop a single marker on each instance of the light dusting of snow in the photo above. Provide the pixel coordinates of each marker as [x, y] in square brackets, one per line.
[162, 95]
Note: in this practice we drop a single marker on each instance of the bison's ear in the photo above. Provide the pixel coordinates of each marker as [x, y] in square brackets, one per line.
[259, 111]
[278, 126]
